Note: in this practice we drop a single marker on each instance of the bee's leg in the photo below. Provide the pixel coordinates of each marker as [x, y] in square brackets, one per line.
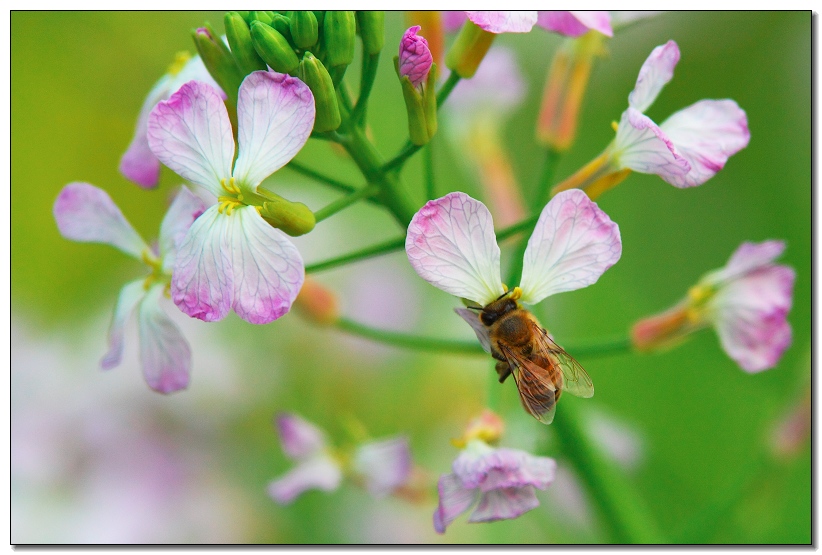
[503, 369]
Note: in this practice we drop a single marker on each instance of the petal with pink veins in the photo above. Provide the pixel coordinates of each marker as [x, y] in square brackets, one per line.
[300, 438]
[654, 74]
[316, 473]
[202, 284]
[164, 352]
[504, 22]
[748, 257]
[87, 214]
[454, 499]
[191, 134]
[451, 244]
[706, 134]
[501, 504]
[130, 295]
[138, 163]
[275, 115]
[573, 243]
[185, 208]
[641, 146]
[268, 270]
[575, 24]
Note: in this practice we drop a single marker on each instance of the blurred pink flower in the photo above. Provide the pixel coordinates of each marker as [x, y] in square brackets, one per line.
[415, 57]
[570, 24]
[575, 24]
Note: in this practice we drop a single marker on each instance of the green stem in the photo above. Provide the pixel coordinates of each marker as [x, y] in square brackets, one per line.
[399, 339]
[345, 202]
[362, 254]
[616, 498]
[369, 73]
[317, 176]
[447, 87]
[428, 161]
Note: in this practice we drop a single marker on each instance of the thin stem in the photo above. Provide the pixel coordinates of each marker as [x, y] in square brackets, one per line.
[447, 87]
[356, 256]
[399, 339]
[428, 162]
[369, 72]
[332, 136]
[345, 202]
[317, 176]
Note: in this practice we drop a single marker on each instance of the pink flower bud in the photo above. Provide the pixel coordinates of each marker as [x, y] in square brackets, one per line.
[415, 57]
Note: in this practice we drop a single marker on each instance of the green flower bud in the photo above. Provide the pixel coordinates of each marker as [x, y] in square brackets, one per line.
[273, 48]
[282, 24]
[261, 16]
[312, 72]
[420, 105]
[372, 31]
[304, 29]
[320, 15]
[339, 37]
[218, 60]
[294, 218]
[239, 39]
[468, 50]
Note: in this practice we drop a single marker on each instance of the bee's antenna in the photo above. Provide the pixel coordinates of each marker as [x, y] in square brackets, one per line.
[479, 308]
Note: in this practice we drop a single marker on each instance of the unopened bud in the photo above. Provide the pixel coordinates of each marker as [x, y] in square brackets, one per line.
[218, 60]
[372, 31]
[294, 218]
[242, 48]
[487, 427]
[662, 331]
[420, 105]
[468, 50]
[282, 24]
[415, 58]
[430, 23]
[261, 16]
[317, 303]
[339, 37]
[312, 72]
[273, 48]
[304, 29]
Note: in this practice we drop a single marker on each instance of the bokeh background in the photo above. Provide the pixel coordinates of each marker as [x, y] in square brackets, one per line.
[98, 457]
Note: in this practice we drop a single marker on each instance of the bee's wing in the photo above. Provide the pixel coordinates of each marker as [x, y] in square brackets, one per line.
[473, 320]
[575, 380]
[536, 390]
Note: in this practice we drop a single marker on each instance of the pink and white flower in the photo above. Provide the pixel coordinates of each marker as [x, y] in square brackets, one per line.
[451, 245]
[231, 257]
[138, 163]
[502, 483]
[571, 24]
[382, 466]
[747, 302]
[87, 214]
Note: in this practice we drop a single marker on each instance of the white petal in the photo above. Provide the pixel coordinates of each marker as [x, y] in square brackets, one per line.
[472, 317]
[202, 284]
[138, 162]
[706, 134]
[500, 504]
[185, 208]
[86, 213]
[268, 269]
[275, 114]
[573, 243]
[454, 499]
[164, 352]
[191, 134]
[451, 244]
[385, 465]
[504, 22]
[300, 438]
[320, 473]
[130, 295]
[748, 257]
[657, 70]
[642, 146]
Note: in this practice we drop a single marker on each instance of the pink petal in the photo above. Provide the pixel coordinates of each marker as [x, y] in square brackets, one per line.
[504, 22]
[185, 208]
[87, 214]
[385, 465]
[454, 499]
[164, 352]
[480, 466]
[657, 70]
[751, 256]
[202, 284]
[453, 20]
[191, 134]
[415, 58]
[706, 134]
[472, 318]
[642, 146]
[300, 438]
[267, 268]
[275, 115]
[317, 473]
[751, 317]
[131, 294]
[451, 244]
[575, 24]
[573, 243]
[503, 504]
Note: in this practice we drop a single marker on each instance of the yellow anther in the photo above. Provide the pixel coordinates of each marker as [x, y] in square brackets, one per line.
[180, 60]
[230, 186]
[149, 259]
[227, 205]
[614, 126]
[516, 293]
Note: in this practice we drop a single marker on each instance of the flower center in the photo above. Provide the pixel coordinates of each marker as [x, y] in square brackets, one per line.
[156, 266]
[698, 298]
[232, 199]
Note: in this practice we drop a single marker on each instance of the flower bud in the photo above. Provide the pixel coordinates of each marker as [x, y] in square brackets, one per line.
[468, 50]
[294, 218]
[662, 330]
[273, 48]
[261, 16]
[239, 39]
[431, 24]
[282, 24]
[312, 72]
[317, 303]
[420, 105]
[218, 60]
[415, 58]
[565, 88]
[304, 29]
[487, 427]
[339, 32]
[372, 31]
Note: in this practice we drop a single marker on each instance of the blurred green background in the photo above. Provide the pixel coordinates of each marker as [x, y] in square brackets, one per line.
[81, 439]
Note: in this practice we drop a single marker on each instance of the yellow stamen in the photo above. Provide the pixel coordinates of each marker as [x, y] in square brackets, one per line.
[516, 293]
[614, 126]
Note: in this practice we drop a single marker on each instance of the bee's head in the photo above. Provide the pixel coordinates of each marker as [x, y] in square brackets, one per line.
[504, 304]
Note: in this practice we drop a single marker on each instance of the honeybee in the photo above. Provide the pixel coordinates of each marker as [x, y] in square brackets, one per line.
[542, 370]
